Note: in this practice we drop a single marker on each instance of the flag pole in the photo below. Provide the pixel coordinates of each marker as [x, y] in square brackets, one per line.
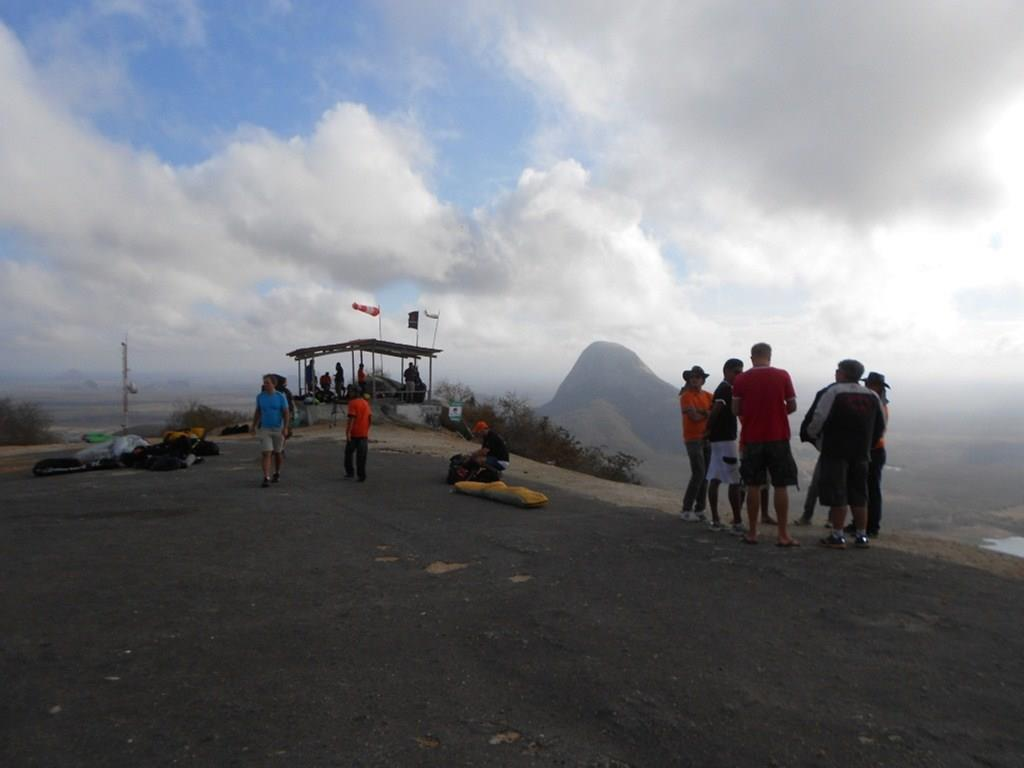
[436, 321]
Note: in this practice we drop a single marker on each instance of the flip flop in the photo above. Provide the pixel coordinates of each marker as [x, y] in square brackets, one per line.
[788, 543]
[745, 540]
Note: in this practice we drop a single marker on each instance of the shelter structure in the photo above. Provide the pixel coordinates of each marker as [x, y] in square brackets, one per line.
[375, 347]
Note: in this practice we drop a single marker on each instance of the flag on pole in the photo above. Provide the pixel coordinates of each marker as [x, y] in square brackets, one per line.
[371, 311]
[432, 317]
[414, 320]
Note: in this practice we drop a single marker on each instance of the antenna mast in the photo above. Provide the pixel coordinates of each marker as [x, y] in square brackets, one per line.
[124, 384]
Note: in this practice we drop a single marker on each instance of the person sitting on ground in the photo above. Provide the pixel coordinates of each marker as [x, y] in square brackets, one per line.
[325, 382]
[492, 451]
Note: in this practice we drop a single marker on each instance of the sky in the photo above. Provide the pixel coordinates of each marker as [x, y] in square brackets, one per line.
[220, 181]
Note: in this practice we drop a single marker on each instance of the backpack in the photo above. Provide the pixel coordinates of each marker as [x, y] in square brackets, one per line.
[460, 468]
[457, 468]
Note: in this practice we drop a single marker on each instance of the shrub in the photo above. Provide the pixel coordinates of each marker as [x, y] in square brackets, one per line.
[196, 414]
[24, 423]
[454, 390]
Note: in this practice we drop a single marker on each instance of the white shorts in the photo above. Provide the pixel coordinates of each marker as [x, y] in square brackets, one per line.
[725, 464]
[271, 440]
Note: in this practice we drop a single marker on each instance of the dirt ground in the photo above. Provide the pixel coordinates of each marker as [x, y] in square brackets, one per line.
[194, 618]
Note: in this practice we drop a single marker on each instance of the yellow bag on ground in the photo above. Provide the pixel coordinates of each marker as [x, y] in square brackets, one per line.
[192, 433]
[506, 494]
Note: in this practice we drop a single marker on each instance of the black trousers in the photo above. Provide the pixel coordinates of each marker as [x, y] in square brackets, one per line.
[875, 489]
[357, 446]
[696, 495]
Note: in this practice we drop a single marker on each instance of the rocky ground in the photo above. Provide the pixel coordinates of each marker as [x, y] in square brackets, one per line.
[192, 617]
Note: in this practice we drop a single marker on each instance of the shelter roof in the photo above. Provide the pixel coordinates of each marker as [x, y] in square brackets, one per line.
[376, 346]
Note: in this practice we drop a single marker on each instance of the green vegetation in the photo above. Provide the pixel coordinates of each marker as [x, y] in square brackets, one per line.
[24, 424]
[454, 391]
[195, 414]
[535, 437]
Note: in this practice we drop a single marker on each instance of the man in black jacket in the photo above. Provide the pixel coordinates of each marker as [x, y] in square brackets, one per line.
[844, 421]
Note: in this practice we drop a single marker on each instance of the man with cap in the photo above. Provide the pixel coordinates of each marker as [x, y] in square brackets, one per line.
[492, 451]
[724, 466]
[695, 405]
[876, 383]
[844, 423]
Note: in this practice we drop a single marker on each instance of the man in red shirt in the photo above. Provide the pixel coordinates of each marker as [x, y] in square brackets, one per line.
[762, 398]
[357, 434]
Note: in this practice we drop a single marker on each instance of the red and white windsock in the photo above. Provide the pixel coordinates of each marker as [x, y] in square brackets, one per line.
[371, 311]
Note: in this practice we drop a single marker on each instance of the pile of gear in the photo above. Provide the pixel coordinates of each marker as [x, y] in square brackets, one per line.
[462, 467]
[177, 450]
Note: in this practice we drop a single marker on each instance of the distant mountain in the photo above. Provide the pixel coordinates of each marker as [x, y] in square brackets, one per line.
[611, 398]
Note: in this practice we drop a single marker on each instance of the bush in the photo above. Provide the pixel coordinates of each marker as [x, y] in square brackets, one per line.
[538, 439]
[454, 391]
[196, 414]
[24, 424]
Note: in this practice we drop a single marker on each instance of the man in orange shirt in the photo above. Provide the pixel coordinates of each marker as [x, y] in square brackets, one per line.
[357, 434]
[695, 405]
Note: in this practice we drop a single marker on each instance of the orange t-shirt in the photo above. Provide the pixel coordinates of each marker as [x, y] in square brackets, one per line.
[358, 418]
[693, 429]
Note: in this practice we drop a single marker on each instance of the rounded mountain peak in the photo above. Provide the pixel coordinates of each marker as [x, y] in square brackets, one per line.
[608, 371]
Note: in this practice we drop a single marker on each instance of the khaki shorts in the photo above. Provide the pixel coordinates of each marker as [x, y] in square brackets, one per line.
[271, 440]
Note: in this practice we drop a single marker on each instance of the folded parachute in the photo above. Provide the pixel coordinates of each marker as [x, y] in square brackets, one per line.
[498, 491]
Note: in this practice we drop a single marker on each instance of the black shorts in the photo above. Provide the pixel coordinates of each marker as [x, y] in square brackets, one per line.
[843, 482]
[774, 459]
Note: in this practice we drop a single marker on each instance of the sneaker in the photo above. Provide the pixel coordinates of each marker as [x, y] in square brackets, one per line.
[701, 517]
[276, 478]
[716, 525]
[737, 529]
[834, 542]
[803, 521]
[872, 534]
[861, 542]
[265, 483]
[688, 517]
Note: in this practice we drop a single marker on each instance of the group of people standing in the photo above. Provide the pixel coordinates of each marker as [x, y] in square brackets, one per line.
[739, 435]
[272, 419]
[326, 387]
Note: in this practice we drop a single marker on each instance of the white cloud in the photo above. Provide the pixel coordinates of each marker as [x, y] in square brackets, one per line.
[740, 185]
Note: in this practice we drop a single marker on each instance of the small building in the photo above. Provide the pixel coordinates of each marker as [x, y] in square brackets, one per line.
[359, 348]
